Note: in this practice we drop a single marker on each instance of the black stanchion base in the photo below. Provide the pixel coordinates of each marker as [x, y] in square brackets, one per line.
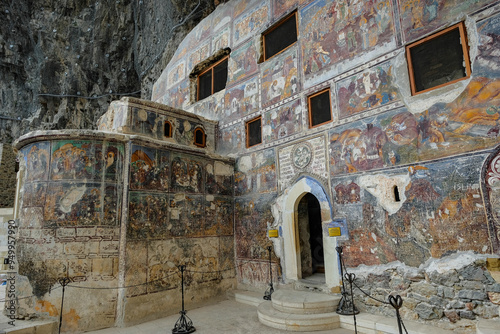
[184, 325]
[268, 293]
[345, 306]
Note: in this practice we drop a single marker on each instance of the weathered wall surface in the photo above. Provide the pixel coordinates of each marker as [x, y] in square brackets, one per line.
[7, 176]
[437, 147]
[110, 210]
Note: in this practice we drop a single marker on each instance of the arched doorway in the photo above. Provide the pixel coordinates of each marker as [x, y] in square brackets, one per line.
[285, 210]
[312, 259]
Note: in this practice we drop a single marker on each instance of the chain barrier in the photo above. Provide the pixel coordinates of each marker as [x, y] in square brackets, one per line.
[395, 301]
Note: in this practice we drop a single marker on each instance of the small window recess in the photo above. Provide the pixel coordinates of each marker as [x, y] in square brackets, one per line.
[254, 132]
[167, 129]
[199, 137]
[439, 59]
[396, 194]
[320, 108]
[280, 36]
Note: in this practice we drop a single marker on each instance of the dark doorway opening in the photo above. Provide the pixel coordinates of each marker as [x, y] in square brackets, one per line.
[310, 236]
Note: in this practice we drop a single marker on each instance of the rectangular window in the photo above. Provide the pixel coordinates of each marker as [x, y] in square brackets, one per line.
[280, 36]
[320, 110]
[213, 79]
[438, 60]
[253, 131]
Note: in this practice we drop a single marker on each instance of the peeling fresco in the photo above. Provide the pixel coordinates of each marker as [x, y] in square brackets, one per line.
[221, 40]
[178, 96]
[421, 17]
[256, 173]
[198, 56]
[72, 160]
[187, 175]
[280, 77]
[177, 74]
[367, 90]
[147, 123]
[334, 31]
[242, 62]
[242, 99]
[149, 168]
[282, 122]
[281, 7]
[250, 22]
[231, 139]
[37, 159]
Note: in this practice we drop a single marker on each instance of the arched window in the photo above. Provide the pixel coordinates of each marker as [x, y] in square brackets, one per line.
[199, 137]
[167, 129]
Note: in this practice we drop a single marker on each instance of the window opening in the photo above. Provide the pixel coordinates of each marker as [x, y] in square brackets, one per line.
[319, 108]
[253, 132]
[167, 129]
[396, 194]
[438, 60]
[213, 79]
[199, 137]
[281, 36]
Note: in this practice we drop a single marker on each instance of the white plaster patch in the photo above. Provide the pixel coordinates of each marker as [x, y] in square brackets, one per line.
[223, 169]
[72, 197]
[382, 187]
[455, 261]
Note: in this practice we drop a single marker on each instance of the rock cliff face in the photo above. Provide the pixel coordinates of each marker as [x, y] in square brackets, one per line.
[63, 61]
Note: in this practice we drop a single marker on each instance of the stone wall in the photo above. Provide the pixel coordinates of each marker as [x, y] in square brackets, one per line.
[450, 292]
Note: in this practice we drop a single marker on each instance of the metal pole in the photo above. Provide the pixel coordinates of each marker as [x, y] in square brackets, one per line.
[63, 281]
[270, 290]
[350, 278]
[184, 325]
[397, 302]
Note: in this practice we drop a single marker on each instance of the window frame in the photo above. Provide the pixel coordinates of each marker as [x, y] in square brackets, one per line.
[170, 130]
[210, 68]
[465, 52]
[274, 27]
[247, 132]
[309, 109]
[204, 137]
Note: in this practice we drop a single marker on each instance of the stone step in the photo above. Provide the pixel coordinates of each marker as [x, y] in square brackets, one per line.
[304, 302]
[274, 318]
[488, 327]
[248, 297]
[30, 327]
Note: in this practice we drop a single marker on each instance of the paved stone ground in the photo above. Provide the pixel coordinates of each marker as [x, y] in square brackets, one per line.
[227, 316]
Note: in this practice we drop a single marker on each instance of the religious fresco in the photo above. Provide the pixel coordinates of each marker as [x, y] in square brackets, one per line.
[149, 168]
[242, 99]
[256, 173]
[250, 22]
[178, 96]
[280, 77]
[163, 259]
[221, 40]
[219, 216]
[252, 216]
[281, 7]
[242, 62]
[334, 31]
[148, 215]
[147, 123]
[486, 64]
[442, 213]
[176, 74]
[219, 179]
[187, 175]
[74, 204]
[366, 90]
[282, 122]
[72, 160]
[34, 194]
[36, 159]
[421, 17]
[198, 56]
[231, 139]
[108, 160]
[256, 272]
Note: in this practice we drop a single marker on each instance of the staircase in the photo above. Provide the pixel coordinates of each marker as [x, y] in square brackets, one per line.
[300, 311]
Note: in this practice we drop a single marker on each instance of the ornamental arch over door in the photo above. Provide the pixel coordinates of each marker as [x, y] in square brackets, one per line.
[286, 208]
[490, 183]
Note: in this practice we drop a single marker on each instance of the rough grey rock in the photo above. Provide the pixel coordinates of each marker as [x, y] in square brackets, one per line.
[472, 295]
[428, 312]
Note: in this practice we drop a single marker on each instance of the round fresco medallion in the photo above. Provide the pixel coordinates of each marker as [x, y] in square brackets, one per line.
[302, 155]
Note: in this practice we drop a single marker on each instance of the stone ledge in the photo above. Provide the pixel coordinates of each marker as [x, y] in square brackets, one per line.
[488, 327]
[371, 324]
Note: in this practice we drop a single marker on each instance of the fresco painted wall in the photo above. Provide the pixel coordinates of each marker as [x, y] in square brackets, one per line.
[432, 147]
[179, 211]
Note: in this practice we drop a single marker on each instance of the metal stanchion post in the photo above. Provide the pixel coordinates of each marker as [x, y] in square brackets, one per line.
[350, 278]
[397, 302]
[270, 290]
[345, 306]
[183, 325]
[63, 281]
